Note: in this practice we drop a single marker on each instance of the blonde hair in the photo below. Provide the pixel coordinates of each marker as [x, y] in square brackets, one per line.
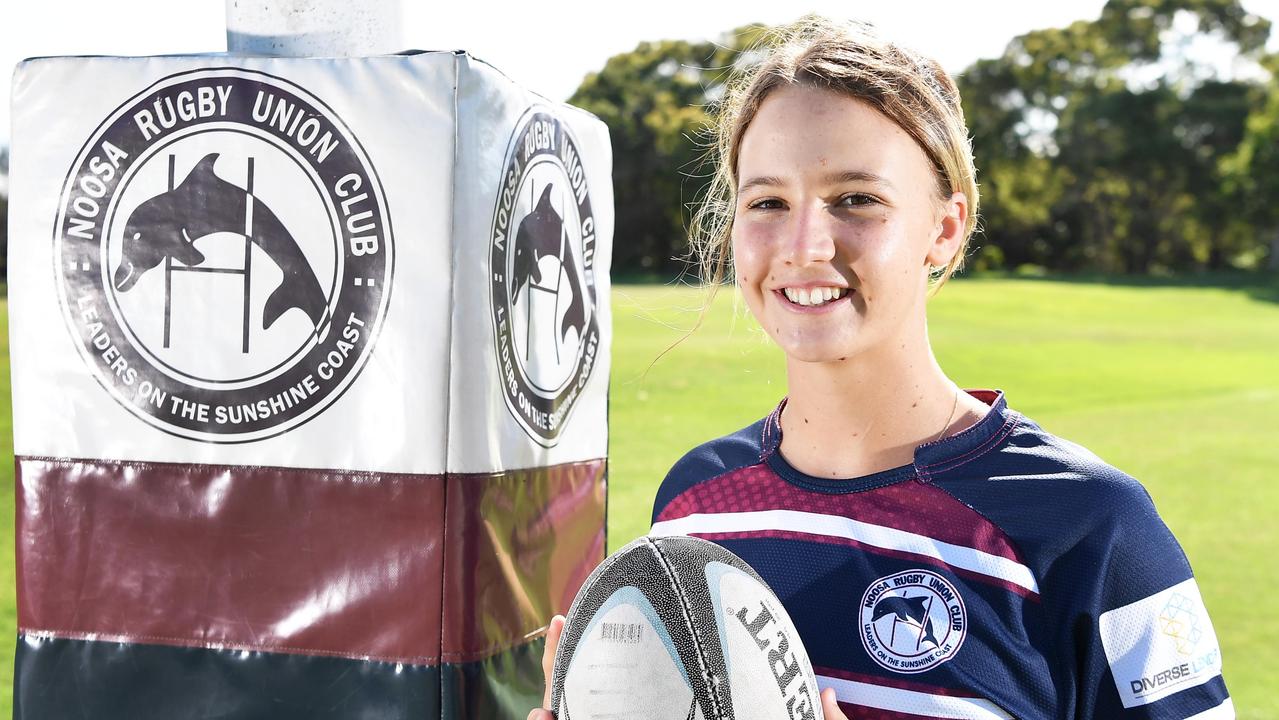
[847, 58]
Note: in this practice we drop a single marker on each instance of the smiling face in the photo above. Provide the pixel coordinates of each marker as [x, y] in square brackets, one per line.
[838, 219]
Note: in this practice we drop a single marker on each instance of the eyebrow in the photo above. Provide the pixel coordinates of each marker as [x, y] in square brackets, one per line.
[857, 176]
[762, 181]
[834, 178]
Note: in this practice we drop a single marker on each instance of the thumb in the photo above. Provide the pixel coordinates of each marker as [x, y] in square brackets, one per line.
[553, 632]
[830, 708]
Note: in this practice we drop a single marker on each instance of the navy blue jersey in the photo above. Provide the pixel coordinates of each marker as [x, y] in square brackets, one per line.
[1005, 573]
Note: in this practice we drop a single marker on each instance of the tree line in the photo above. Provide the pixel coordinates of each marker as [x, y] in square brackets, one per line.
[1102, 146]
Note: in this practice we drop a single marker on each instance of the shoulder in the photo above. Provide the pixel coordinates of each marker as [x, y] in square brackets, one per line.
[1121, 604]
[1031, 470]
[1056, 499]
[1120, 612]
[1028, 458]
[710, 460]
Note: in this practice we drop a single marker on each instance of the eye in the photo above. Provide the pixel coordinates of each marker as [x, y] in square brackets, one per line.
[856, 200]
[766, 204]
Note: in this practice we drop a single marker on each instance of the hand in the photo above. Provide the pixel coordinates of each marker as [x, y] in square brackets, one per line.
[830, 709]
[553, 632]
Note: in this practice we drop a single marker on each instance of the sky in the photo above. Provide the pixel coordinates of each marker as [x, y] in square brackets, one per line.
[547, 46]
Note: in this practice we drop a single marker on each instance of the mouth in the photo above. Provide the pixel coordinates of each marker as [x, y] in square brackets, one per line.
[814, 299]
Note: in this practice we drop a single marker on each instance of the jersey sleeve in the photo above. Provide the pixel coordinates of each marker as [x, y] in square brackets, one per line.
[706, 461]
[1138, 637]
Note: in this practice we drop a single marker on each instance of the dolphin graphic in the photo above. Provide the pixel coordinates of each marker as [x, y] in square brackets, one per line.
[168, 225]
[541, 233]
[907, 610]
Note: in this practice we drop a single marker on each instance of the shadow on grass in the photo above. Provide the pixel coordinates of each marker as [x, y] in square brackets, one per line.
[1263, 286]
[627, 277]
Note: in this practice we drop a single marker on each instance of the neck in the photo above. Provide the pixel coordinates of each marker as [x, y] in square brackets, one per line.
[869, 412]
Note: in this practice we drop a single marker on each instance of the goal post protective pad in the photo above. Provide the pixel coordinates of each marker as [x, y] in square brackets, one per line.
[310, 365]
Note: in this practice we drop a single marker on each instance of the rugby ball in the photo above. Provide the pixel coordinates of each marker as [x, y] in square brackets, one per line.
[678, 628]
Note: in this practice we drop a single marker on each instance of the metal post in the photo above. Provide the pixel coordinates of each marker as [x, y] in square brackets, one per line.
[314, 28]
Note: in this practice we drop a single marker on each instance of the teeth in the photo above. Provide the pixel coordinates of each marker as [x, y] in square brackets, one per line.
[816, 296]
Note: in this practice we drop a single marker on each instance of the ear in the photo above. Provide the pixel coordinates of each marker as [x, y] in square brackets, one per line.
[948, 235]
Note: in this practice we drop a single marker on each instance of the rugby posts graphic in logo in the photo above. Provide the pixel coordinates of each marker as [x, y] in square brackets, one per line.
[912, 621]
[541, 264]
[224, 254]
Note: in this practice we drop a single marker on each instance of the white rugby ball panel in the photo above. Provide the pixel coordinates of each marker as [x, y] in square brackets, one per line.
[760, 642]
[626, 659]
[637, 566]
[703, 620]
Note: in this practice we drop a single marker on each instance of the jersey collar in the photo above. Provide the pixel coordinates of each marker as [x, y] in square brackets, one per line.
[931, 458]
[948, 453]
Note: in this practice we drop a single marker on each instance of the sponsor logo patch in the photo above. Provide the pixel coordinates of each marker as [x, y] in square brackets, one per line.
[1160, 645]
[224, 255]
[541, 263]
[1179, 620]
[912, 621]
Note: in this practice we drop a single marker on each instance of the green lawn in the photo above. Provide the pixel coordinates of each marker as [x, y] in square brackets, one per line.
[1176, 384]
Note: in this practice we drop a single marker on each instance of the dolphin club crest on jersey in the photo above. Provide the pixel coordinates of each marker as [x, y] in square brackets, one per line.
[225, 255]
[542, 273]
[912, 621]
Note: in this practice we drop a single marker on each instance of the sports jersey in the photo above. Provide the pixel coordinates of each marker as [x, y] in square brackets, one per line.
[1006, 572]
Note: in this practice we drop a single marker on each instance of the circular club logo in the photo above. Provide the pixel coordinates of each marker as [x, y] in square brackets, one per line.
[912, 621]
[541, 266]
[225, 255]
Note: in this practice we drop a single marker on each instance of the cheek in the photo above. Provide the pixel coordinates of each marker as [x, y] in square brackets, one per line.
[746, 260]
[896, 246]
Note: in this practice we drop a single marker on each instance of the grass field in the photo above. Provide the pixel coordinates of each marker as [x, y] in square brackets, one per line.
[1176, 383]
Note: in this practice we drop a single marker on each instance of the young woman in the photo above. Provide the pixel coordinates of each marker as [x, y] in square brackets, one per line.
[941, 554]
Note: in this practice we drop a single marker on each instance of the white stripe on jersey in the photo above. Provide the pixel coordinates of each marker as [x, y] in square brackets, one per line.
[1224, 711]
[956, 556]
[911, 702]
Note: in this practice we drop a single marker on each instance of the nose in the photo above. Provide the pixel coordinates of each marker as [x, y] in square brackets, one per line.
[810, 237]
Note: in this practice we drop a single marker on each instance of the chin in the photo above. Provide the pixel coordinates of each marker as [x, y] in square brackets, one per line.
[819, 339]
[820, 358]
[809, 351]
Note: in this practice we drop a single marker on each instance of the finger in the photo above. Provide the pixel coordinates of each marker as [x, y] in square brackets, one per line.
[553, 632]
[830, 707]
[540, 714]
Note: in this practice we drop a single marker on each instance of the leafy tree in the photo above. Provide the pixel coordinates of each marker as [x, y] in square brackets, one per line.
[1252, 171]
[1101, 147]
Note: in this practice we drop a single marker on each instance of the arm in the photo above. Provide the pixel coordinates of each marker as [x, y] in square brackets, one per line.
[1143, 643]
